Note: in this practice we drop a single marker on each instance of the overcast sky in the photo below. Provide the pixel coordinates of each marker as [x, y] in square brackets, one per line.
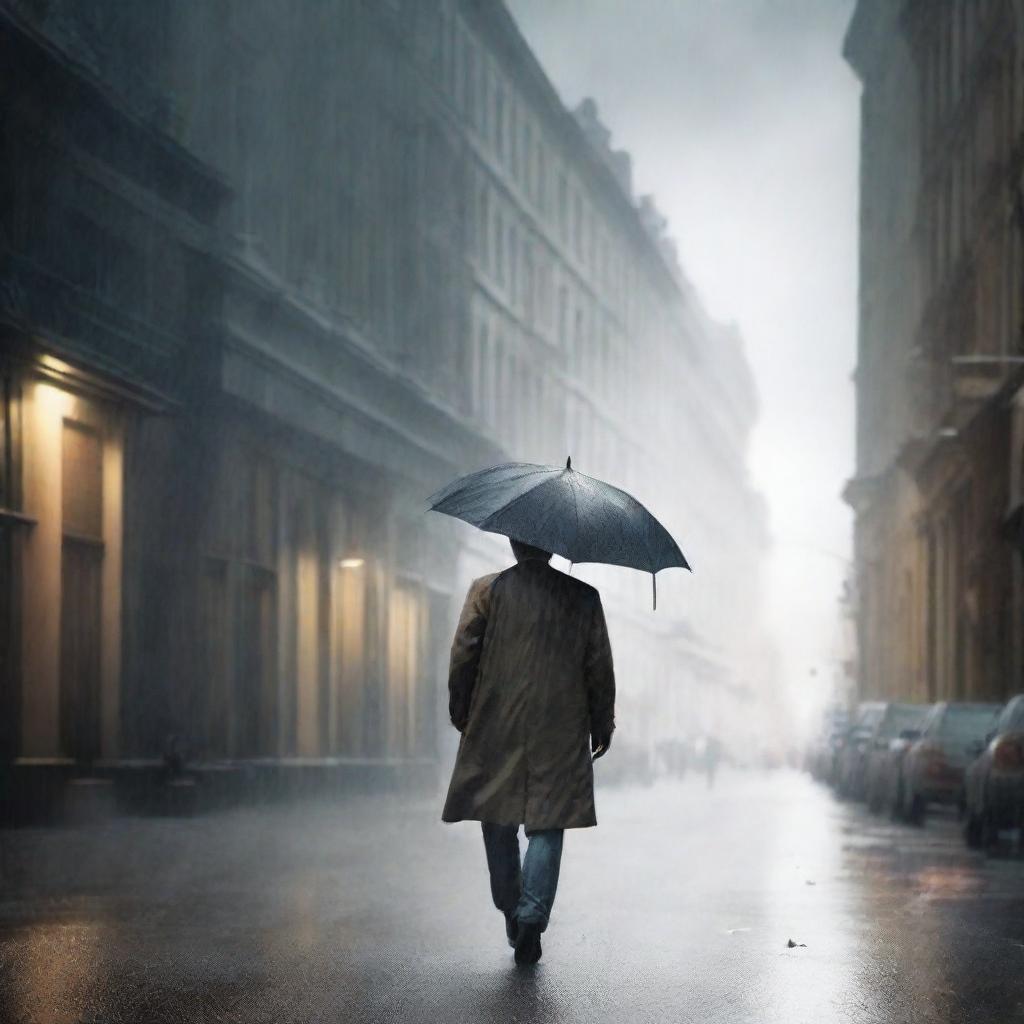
[742, 120]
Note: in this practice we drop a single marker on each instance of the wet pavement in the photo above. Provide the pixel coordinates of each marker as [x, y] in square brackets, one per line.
[677, 908]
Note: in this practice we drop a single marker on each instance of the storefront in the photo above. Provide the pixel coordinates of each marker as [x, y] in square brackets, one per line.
[61, 543]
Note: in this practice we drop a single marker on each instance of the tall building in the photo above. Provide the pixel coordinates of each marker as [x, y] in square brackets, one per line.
[278, 271]
[937, 491]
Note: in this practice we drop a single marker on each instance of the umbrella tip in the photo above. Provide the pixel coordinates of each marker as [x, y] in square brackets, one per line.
[568, 463]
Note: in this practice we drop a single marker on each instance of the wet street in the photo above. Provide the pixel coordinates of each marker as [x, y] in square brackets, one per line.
[678, 907]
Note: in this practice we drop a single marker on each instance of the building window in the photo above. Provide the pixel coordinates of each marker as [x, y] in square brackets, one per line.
[513, 137]
[469, 68]
[577, 348]
[494, 379]
[606, 360]
[499, 119]
[499, 247]
[528, 282]
[459, 69]
[498, 383]
[546, 436]
[513, 266]
[542, 275]
[528, 163]
[82, 481]
[482, 224]
[446, 48]
[577, 224]
[481, 362]
[563, 207]
[542, 181]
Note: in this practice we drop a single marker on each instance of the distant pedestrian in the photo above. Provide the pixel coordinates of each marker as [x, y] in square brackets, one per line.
[712, 756]
[532, 690]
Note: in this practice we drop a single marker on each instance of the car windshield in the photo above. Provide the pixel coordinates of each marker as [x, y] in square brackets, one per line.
[900, 717]
[1012, 717]
[970, 723]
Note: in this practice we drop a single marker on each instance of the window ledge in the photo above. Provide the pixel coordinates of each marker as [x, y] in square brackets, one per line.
[9, 517]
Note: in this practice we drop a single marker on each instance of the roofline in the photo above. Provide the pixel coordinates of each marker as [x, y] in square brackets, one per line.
[862, 43]
[494, 17]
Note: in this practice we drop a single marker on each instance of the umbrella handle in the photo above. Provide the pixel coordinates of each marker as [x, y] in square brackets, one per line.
[654, 584]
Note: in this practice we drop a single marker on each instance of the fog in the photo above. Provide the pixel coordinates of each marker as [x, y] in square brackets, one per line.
[741, 118]
[229, 400]
[273, 720]
[348, 290]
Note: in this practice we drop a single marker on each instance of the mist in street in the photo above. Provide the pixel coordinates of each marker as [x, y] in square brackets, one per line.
[372, 912]
[511, 510]
[742, 121]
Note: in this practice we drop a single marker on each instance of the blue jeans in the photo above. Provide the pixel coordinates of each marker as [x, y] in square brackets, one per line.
[525, 890]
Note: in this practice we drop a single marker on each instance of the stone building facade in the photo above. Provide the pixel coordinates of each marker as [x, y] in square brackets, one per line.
[937, 490]
[323, 258]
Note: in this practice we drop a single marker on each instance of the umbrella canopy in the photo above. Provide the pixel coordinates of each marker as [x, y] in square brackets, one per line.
[562, 511]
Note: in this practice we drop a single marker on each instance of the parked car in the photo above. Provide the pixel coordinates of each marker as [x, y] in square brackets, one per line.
[824, 750]
[994, 784]
[889, 786]
[934, 766]
[849, 775]
[900, 725]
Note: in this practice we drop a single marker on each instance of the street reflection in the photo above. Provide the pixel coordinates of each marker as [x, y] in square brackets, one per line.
[57, 970]
[944, 883]
[811, 904]
[684, 897]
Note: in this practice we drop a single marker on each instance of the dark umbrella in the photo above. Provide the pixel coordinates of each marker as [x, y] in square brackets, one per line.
[565, 512]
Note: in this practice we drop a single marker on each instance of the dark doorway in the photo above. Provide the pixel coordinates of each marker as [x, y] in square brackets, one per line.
[211, 700]
[81, 595]
[255, 689]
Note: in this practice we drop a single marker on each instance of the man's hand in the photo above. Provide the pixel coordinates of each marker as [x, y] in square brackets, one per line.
[599, 745]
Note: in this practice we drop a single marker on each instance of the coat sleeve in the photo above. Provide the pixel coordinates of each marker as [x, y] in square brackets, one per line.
[599, 674]
[466, 649]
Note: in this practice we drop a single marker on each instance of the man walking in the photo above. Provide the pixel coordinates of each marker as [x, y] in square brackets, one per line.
[532, 690]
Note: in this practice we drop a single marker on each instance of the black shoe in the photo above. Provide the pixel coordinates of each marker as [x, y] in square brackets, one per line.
[528, 943]
[511, 928]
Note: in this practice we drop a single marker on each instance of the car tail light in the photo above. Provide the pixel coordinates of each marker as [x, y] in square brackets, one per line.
[1008, 754]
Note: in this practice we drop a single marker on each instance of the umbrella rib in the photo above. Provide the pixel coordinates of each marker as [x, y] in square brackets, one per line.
[519, 497]
[576, 509]
[443, 495]
[645, 539]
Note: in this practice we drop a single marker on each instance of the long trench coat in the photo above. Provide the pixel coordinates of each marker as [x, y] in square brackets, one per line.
[530, 681]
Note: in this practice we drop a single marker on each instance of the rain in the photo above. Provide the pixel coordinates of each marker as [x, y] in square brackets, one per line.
[511, 509]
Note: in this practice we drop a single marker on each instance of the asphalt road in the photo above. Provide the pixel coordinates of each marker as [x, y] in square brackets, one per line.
[677, 908]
